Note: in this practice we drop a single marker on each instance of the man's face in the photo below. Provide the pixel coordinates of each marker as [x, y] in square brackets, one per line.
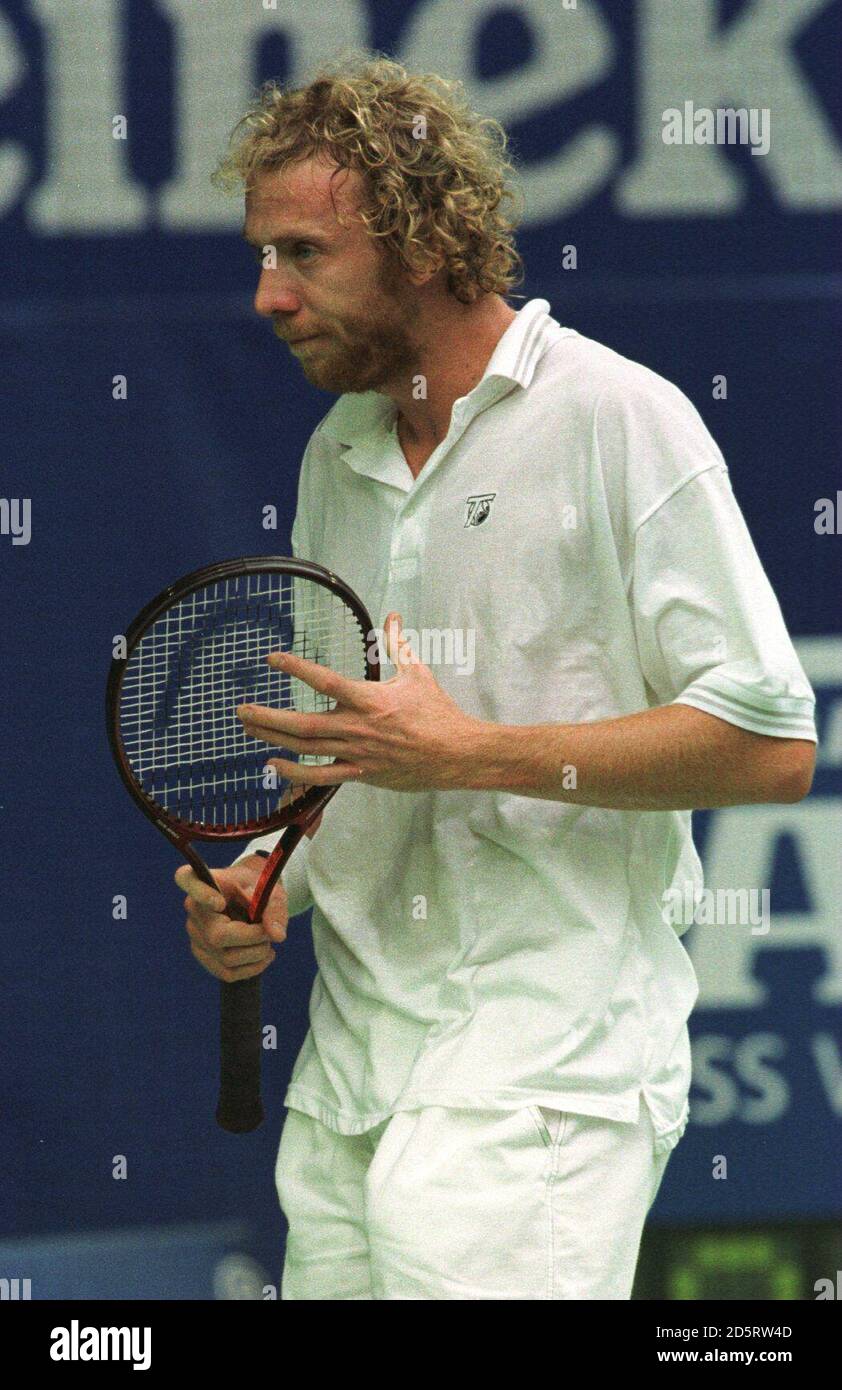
[332, 282]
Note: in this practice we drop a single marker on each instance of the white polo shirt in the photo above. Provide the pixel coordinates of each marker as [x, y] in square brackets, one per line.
[480, 949]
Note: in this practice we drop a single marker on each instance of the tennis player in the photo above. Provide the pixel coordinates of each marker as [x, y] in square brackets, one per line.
[585, 648]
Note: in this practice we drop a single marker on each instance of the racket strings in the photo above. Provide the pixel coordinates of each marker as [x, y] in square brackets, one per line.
[199, 660]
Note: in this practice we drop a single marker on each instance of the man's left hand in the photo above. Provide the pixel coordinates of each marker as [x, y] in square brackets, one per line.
[405, 733]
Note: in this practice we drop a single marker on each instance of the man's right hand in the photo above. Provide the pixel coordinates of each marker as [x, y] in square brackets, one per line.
[226, 945]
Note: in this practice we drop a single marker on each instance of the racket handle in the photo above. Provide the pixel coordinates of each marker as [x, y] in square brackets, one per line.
[240, 1109]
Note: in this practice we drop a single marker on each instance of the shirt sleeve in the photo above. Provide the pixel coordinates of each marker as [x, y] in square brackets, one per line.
[709, 629]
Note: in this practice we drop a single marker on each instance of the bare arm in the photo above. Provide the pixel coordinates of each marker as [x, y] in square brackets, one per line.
[408, 734]
[674, 757]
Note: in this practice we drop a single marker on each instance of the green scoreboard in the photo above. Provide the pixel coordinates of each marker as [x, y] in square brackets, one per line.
[787, 1262]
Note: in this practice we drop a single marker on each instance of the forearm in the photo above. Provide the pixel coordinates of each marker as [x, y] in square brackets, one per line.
[673, 757]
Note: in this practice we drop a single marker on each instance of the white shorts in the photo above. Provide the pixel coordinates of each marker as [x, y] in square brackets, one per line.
[467, 1204]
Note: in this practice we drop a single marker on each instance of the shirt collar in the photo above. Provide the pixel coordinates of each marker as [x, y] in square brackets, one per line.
[355, 417]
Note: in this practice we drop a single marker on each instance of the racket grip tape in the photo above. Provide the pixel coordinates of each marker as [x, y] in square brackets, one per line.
[240, 1109]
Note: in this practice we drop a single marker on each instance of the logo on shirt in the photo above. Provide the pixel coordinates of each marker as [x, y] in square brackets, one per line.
[478, 508]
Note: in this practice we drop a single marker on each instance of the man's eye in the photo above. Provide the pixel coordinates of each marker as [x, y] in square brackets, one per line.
[264, 257]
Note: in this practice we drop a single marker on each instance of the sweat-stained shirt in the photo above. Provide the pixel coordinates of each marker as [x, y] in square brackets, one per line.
[481, 949]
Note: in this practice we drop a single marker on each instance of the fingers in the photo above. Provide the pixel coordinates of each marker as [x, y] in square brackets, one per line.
[232, 965]
[398, 648]
[276, 914]
[312, 775]
[223, 942]
[291, 794]
[353, 693]
[230, 950]
[189, 882]
[318, 747]
[219, 931]
[319, 678]
[224, 935]
[281, 725]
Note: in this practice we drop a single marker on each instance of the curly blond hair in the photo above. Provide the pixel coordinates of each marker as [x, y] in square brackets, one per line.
[434, 171]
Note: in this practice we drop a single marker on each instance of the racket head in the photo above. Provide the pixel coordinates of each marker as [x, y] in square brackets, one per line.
[195, 652]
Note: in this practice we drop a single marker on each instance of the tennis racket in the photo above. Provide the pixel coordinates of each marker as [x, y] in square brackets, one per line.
[191, 656]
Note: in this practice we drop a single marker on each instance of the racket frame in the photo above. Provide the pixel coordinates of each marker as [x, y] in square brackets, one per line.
[240, 1109]
[178, 831]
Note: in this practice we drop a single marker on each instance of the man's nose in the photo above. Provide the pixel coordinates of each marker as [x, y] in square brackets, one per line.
[273, 295]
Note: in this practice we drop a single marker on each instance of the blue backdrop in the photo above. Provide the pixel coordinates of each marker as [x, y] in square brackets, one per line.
[121, 261]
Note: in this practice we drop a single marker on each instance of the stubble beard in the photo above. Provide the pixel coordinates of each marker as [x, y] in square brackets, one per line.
[371, 349]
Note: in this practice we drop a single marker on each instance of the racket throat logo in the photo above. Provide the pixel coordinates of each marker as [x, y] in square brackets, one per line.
[478, 508]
